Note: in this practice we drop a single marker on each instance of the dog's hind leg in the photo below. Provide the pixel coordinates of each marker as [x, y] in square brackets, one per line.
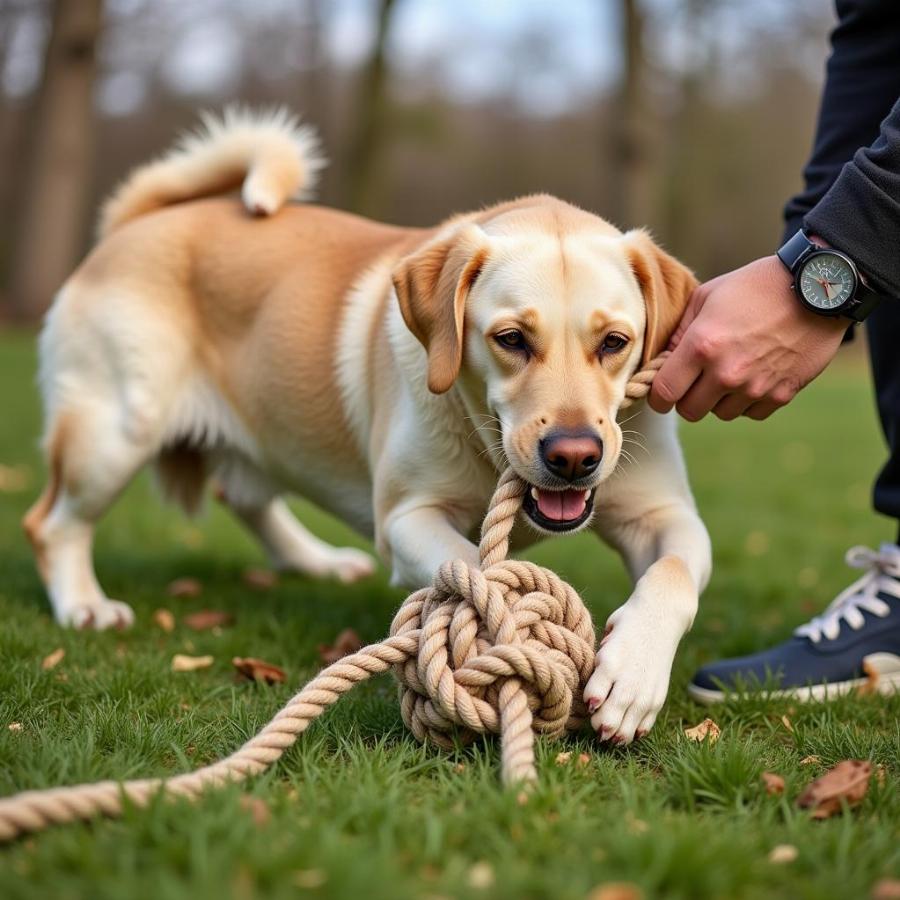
[289, 545]
[90, 463]
[107, 390]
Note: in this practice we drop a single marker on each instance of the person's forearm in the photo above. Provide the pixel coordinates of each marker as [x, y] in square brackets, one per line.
[860, 214]
[862, 84]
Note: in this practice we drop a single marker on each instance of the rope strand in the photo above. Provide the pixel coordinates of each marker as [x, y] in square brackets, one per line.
[505, 648]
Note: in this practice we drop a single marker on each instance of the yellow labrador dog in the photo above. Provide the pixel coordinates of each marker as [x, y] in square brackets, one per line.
[385, 373]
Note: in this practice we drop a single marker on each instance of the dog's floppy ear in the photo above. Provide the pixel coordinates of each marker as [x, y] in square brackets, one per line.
[666, 285]
[432, 285]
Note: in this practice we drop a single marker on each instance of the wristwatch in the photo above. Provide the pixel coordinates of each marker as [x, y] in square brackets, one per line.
[826, 280]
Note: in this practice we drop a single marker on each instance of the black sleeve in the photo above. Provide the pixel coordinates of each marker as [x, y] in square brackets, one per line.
[852, 193]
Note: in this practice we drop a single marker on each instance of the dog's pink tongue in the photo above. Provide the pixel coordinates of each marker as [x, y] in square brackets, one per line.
[561, 506]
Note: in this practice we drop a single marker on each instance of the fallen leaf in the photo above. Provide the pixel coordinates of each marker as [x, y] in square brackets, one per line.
[52, 660]
[459, 768]
[886, 889]
[15, 726]
[706, 730]
[165, 620]
[347, 642]
[783, 853]
[13, 479]
[481, 875]
[634, 824]
[184, 588]
[207, 619]
[616, 890]
[258, 670]
[583, 760]
[774, 783]
[870, 685]
[309, 879]
[257, 808]
[846, 783]
[260, 579]
[563, 758]
[181, 662]
[787, 723]
[810, 761]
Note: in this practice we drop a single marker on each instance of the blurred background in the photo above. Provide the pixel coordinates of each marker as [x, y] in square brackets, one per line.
[692, 117]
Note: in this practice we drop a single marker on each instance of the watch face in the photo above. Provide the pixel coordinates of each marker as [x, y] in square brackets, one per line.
[827, 280]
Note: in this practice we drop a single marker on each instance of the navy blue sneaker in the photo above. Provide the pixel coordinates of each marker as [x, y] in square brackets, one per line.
[854, 642]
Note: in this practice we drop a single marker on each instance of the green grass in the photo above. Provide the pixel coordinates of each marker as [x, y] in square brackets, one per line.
[358, 807]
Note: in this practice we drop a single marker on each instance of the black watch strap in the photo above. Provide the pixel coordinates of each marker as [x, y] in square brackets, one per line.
[795, 250]
[793, 253]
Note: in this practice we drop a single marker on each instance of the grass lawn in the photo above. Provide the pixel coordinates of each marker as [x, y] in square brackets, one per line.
[358, 808]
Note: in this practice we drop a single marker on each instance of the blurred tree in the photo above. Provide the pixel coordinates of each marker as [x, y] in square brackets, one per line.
[366, 143]
[631, 189]
[59, 157]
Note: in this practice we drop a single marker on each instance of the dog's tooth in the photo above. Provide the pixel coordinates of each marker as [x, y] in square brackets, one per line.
[587, 495]
[534, 493]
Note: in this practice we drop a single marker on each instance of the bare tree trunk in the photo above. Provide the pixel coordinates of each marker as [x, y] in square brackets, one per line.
[59, 155]
[367, 143]
[631, 187]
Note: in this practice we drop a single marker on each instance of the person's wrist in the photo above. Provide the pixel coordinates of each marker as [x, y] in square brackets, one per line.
[785, 278]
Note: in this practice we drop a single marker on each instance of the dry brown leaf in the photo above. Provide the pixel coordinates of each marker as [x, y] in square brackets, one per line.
[886, 889]
[15, 726]
[309, 879]
[787, 723]
[481, 875]
[165, 620]
[347, 642]
[563, 758]
[847, 782]
[616, 890]
[774, 783]
[706, 730]
[260, 579]
[13, 479]
[634, 824]
[583, 760]
[184, 588]
[181, 662]
[870, 685]
[258, 670]
[258, 810]
[207, 619]
[459, 768]
[783, 853]
[810, 761]
[52, 660]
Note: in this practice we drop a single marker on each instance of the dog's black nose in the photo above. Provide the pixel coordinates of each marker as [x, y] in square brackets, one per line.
[571, 456]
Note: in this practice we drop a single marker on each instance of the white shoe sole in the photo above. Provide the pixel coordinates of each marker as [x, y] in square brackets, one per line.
[884, 666]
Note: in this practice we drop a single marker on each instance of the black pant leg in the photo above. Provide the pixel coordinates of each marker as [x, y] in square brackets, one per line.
[884, 349]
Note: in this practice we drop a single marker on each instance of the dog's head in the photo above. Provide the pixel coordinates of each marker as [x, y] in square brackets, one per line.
[544, 312]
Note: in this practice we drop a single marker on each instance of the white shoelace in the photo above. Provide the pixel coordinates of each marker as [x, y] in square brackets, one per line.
[882, 576]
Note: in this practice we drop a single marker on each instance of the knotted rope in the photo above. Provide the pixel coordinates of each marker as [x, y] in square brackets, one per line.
[506, 648]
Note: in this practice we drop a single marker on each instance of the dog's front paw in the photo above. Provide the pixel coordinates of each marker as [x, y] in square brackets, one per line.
[99, 616]
[347, 565]
[631, 680]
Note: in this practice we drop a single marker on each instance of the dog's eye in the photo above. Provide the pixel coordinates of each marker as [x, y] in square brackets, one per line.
[613, 343]
[512, 339]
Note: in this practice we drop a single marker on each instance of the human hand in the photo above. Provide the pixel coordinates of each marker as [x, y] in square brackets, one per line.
[745, 346]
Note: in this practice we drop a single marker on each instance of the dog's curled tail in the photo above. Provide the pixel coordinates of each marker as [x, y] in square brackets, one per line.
[267, 152]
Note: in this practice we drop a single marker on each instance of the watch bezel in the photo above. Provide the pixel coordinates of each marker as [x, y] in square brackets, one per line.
[849, 303]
